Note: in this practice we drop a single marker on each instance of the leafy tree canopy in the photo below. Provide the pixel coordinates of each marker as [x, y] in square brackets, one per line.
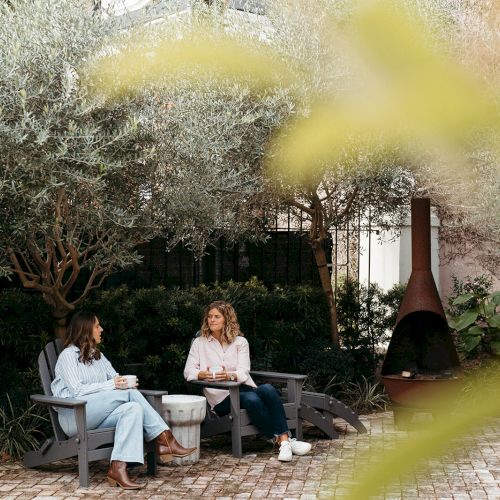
[73, 172]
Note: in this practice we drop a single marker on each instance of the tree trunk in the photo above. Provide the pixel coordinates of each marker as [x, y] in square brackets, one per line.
[60, 316]
[326, 283]
[60, 328]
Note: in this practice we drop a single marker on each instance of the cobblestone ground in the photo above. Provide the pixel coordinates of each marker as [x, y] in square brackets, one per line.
[472, 472]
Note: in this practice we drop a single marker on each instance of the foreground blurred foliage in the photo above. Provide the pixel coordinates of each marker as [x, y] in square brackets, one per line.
[420, 78]
[460, 413]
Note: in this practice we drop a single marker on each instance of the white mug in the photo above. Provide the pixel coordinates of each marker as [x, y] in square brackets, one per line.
[131, 381]
[215, 369]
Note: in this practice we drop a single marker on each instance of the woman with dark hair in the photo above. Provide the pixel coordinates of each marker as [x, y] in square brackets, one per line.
[222, 353]
[83, 372]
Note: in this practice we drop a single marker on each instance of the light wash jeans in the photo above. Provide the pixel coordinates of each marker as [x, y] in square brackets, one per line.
[128, 411]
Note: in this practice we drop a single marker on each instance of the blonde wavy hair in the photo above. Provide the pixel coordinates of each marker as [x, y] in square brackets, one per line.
[231, 328]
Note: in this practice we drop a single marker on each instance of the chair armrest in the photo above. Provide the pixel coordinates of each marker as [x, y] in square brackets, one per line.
[147, 392]
[60, 402]
[276, 376]
[154, 398]
[226, 384]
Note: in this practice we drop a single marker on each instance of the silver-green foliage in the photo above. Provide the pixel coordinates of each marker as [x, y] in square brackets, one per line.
[211, 137]
[71, 179]
[211, 140]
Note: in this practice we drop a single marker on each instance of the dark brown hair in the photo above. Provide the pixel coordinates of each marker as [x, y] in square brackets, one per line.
[79, 334]
[231, 328]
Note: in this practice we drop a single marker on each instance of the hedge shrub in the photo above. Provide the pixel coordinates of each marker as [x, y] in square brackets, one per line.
[149, 332]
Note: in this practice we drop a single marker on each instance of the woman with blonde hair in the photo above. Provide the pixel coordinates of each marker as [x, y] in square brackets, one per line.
[222, 353]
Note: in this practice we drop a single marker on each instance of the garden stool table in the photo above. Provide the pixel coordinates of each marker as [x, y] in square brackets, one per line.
[184, 414]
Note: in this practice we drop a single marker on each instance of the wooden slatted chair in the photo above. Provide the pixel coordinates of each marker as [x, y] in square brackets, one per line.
[87, 445]
[238, 422]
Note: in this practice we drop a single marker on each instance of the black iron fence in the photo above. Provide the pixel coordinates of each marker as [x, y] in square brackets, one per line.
[286, 258]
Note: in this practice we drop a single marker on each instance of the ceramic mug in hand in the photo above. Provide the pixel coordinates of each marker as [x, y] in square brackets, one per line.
[215, 369]
[131, 381]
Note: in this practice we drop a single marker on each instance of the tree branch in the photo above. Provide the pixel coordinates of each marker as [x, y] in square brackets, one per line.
[90, 284]
[302, 207]
[24, 276]
[97, 244]
[35, 255]
[59, 217]
[350, 202]
[75, 269]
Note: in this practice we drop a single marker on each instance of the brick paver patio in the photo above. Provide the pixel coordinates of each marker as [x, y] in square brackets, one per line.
[470, 472]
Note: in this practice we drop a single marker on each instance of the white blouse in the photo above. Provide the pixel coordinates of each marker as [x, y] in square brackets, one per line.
[234, 357]
[74, 378]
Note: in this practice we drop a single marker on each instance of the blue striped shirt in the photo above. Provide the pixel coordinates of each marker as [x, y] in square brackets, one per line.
[74, 378]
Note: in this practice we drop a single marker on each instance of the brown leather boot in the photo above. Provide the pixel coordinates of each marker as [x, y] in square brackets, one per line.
[118, 476]
[168, 448]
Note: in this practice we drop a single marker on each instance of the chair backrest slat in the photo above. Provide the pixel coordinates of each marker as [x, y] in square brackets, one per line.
[46, 367]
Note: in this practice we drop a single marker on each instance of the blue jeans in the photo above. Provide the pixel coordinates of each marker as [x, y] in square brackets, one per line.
[264, 407]
[134, 419]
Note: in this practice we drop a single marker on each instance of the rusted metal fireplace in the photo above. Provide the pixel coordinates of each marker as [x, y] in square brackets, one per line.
[421, 354]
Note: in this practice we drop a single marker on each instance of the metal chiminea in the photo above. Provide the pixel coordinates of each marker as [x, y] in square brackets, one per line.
[421, 352]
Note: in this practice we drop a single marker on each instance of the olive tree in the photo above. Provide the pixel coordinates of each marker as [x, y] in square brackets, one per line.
[371, 173]
[347, 196]
[85, 179]
[331, 94]
[216, 133]
[74, 173]
[210, 139]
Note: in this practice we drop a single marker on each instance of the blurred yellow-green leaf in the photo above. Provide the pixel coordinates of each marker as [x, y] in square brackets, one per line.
[202, 55]
[413, 93]
[456, 418]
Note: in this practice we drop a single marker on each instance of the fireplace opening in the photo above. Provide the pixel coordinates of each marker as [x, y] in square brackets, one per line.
[422, 346]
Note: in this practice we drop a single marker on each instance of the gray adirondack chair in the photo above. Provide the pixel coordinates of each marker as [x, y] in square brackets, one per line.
[238, 422]
[317, 408]
[87, 445]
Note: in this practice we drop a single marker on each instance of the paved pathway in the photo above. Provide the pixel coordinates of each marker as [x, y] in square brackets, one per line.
[471, 473]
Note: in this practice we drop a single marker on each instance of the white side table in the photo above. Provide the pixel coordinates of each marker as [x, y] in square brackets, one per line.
[184, 414]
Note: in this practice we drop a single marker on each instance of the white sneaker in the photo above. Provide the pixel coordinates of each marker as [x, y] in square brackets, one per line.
[285, 452]
[299, 447]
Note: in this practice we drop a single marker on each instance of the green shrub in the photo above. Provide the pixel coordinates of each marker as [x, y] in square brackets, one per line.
[20, 429]
[365, 316]
[25, 323]
[148, 332]
[474, 316]
[363, 323]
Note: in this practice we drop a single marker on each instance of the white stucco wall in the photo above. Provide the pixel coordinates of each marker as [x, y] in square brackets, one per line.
[390, 256]
[467, 266]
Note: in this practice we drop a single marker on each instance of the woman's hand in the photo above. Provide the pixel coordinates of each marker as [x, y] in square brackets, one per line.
[120, 382]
